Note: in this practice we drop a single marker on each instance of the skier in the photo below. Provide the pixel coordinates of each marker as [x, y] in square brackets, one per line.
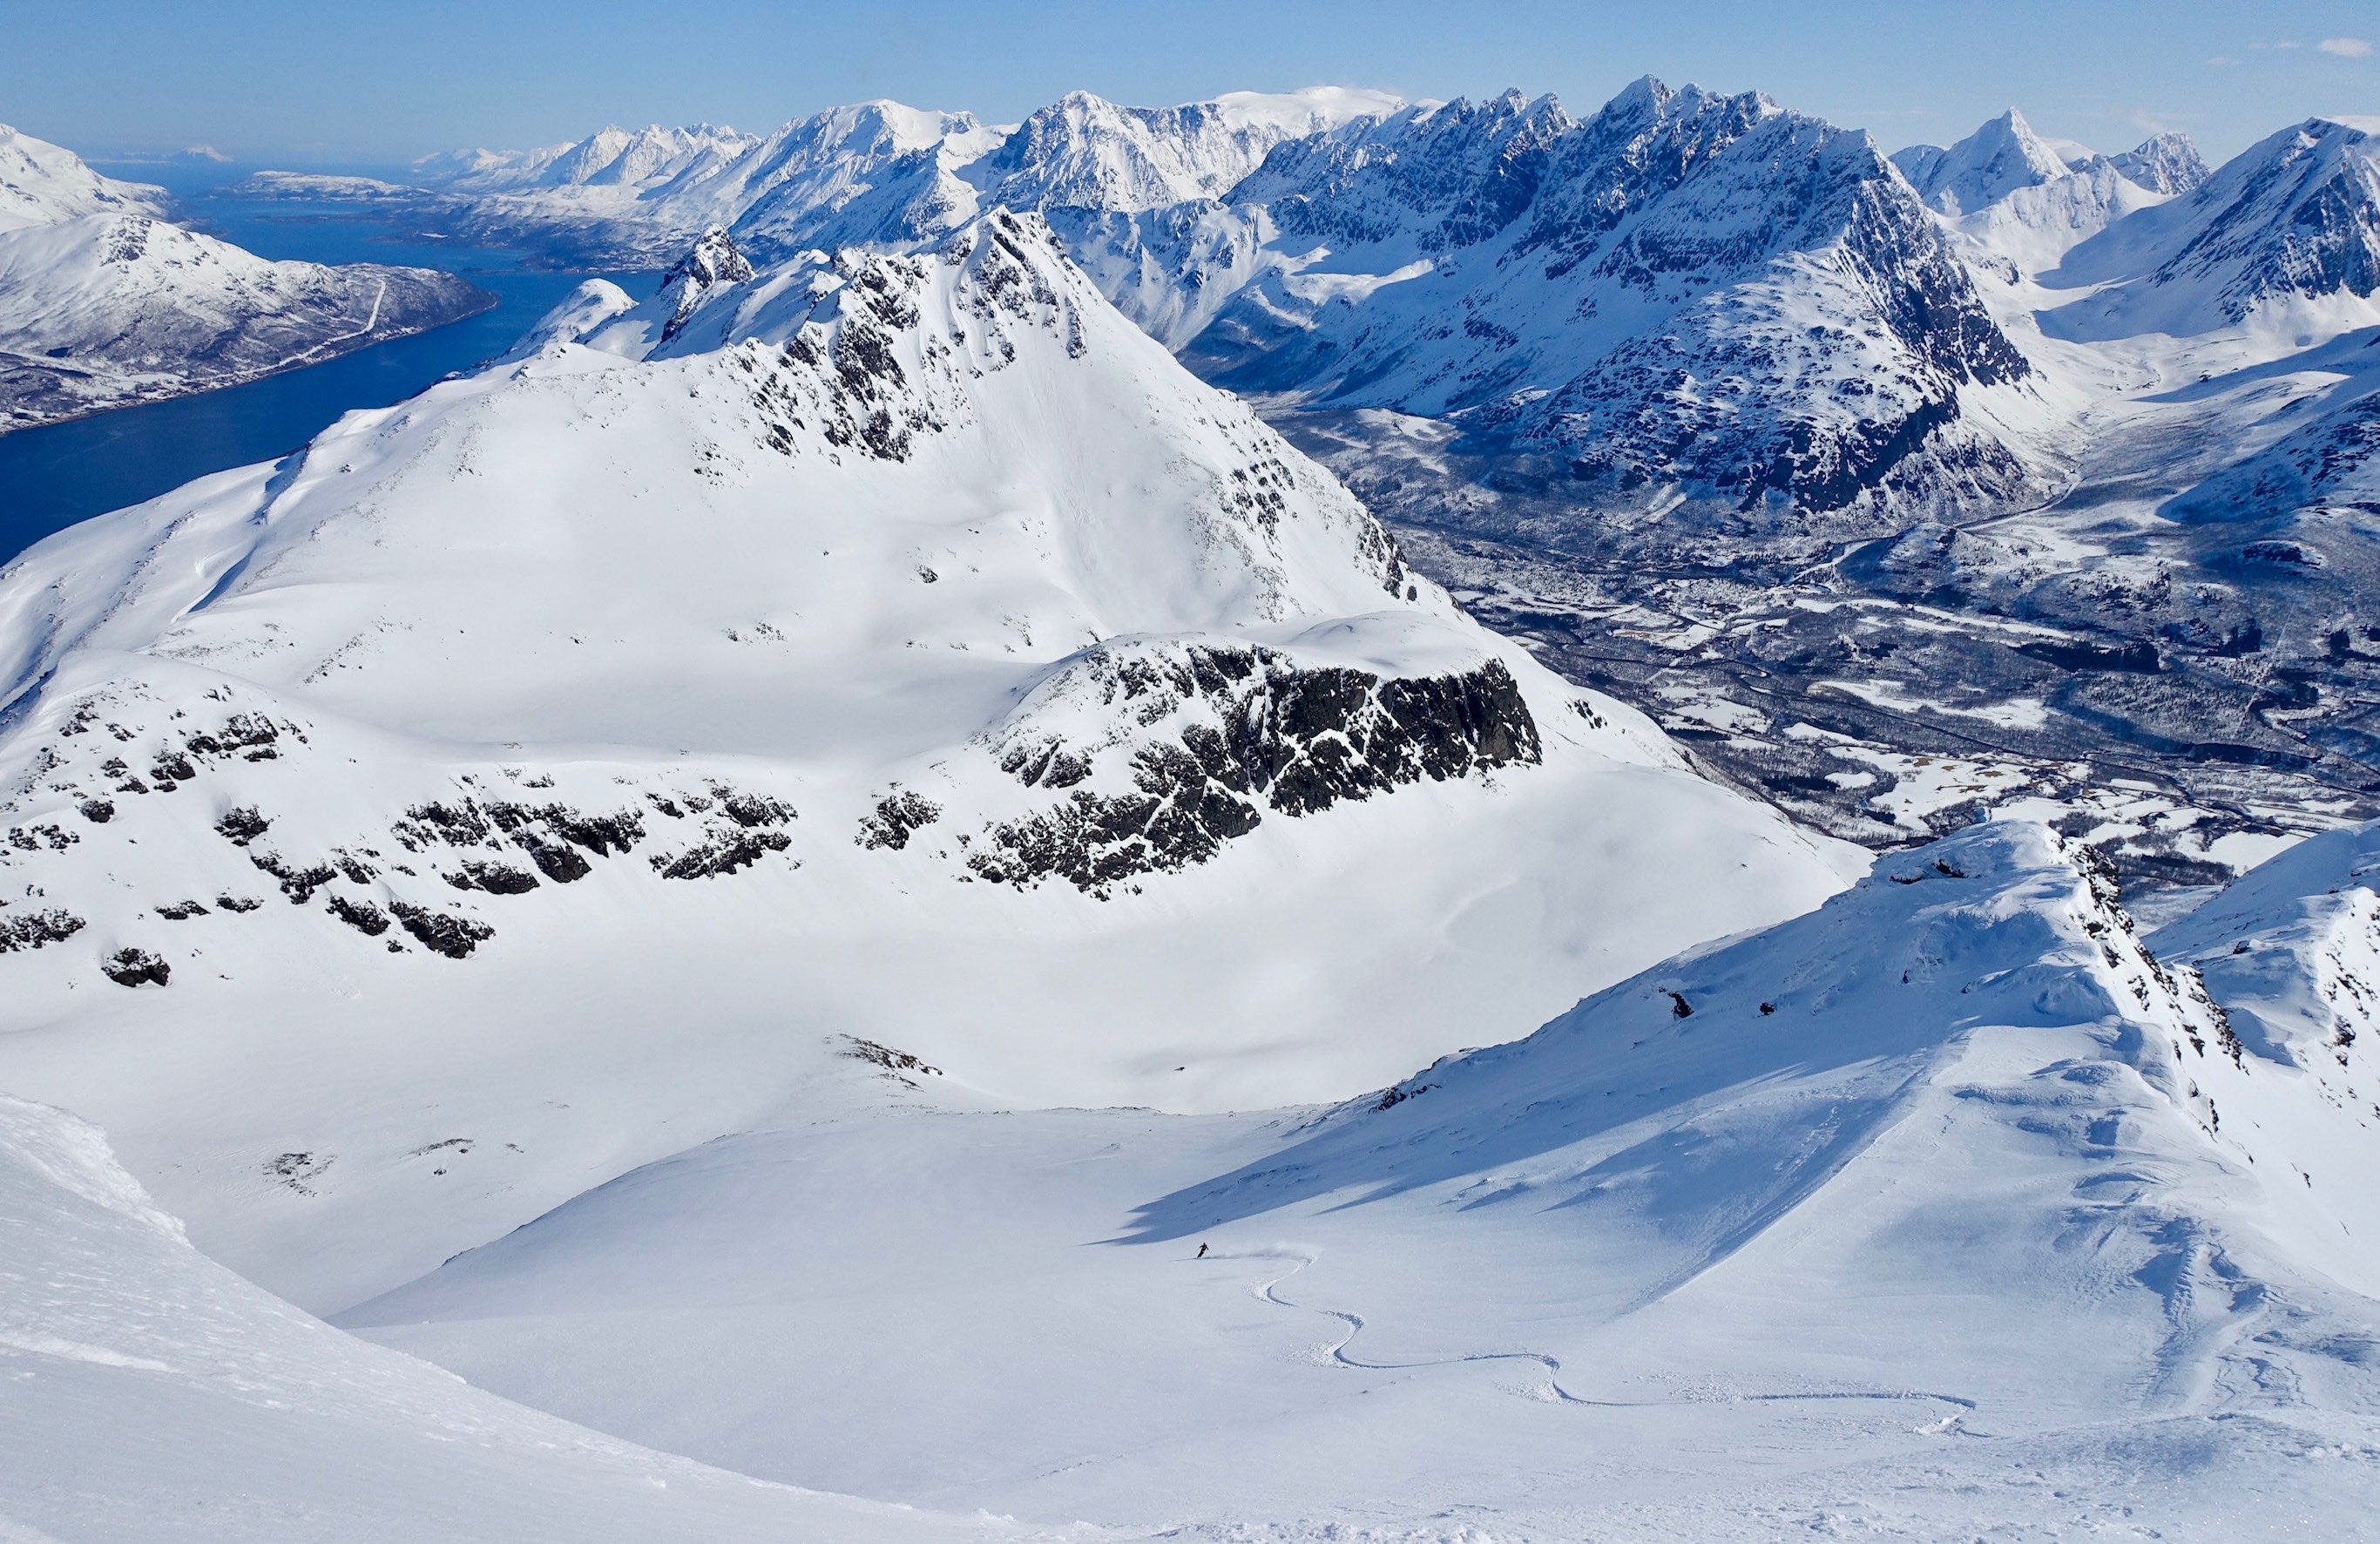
[1202, 1252]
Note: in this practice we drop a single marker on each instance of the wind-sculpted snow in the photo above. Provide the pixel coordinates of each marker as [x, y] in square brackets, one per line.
[1860, 1008]
[1971, 1046]
[2290, 953]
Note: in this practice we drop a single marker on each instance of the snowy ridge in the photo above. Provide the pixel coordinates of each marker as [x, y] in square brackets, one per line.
[1851, 1078]
[613, 156]
[2291, 952]
[41, 184]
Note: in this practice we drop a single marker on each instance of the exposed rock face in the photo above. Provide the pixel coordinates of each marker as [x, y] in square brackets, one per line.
[136, 967]
[1199, 741]
[714, 260]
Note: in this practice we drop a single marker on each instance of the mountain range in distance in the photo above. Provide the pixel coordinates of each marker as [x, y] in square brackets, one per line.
[1725, 409]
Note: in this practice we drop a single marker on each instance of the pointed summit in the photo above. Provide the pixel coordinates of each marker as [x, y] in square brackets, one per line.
[2169, 163]
[715, 260]
[1987, 166]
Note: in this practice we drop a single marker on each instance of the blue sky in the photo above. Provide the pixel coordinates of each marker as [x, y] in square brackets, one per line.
[271, 80]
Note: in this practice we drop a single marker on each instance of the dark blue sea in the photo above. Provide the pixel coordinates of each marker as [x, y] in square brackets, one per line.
[53, 476]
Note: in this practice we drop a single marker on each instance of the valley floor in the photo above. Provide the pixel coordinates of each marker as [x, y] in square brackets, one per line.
[1866, 704]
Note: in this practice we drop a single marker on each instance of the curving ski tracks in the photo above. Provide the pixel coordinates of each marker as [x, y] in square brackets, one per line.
[1554, 1391]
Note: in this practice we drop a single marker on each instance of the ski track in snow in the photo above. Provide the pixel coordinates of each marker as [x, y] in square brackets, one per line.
[1268, 1290]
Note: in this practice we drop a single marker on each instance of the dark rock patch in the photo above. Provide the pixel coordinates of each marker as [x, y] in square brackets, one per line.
[243, 826]
[32, 930]
[362, 916]
[1264, 733]
[298, 884]
[496, 878]
[441, 932]
[727, 851]
[134, 967]
[898, 816]
[57, 839]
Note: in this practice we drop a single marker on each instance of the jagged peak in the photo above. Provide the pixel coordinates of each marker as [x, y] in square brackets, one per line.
[713, 259]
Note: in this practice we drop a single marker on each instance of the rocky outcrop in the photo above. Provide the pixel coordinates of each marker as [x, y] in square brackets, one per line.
[1195, 744]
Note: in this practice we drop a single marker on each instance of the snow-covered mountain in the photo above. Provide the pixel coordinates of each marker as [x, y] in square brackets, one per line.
[612, 156]
[2030, 202]
[1682, 291]
[910, 633]
[2281, 244]
[2169, 163]
[103, 302]
[1987, 166]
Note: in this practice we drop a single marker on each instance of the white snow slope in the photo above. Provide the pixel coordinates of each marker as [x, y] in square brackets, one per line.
[41, 184]
[906, 647]
[102, 303]
[150, 1394]
[1926, 1215]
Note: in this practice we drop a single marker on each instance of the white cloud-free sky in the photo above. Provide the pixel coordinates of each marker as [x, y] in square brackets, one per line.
[318, 82]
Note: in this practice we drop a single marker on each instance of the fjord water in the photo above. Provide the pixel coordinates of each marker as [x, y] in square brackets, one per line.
[55, 475]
